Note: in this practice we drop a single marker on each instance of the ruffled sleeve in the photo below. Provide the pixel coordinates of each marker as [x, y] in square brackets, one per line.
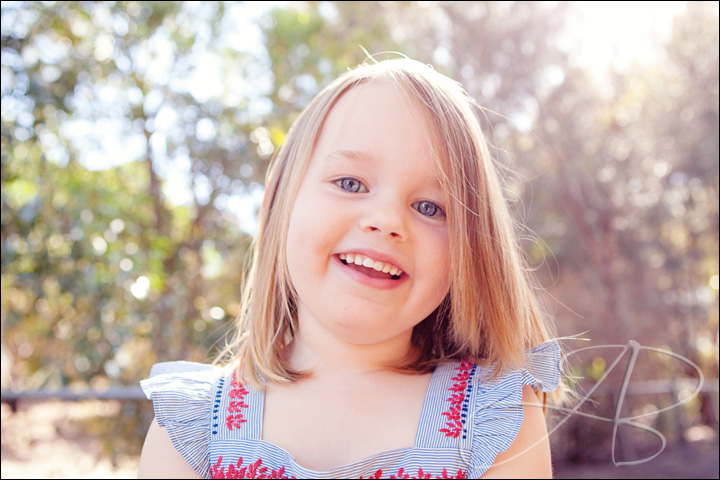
[182, 395]
[498, 411]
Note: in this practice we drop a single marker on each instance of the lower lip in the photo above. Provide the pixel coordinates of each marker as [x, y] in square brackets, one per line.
[378, 283]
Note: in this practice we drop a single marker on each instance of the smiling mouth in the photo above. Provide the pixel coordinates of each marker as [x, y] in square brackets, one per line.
[371, 268]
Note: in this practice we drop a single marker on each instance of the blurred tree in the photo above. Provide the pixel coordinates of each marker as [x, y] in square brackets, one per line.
[637, 173]
[158, 271]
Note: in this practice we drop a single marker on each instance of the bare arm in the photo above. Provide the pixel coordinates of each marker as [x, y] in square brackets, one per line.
[529, 454]
[159, 458]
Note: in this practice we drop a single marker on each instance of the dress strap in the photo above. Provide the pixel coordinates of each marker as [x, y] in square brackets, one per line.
[237, 410]
[498, 410]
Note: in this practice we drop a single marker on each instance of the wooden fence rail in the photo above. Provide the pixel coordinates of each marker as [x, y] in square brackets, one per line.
[133, 393]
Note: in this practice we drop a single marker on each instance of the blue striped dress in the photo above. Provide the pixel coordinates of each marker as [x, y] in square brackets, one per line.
[216, 423]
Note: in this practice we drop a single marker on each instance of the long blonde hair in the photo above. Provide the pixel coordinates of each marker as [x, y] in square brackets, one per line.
[489, 316]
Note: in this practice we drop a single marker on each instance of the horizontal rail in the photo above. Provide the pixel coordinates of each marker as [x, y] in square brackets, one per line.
[112, 393]
[645, 387]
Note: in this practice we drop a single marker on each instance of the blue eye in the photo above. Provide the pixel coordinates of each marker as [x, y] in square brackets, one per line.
[350, 185]
[429, 209]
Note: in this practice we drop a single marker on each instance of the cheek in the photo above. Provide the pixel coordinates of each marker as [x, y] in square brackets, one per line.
[297, 232]
[310, 233]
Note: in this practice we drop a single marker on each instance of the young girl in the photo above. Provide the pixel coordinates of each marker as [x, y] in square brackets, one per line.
[388, 328]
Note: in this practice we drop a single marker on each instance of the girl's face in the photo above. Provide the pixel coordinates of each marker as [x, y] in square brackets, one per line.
[368, 242]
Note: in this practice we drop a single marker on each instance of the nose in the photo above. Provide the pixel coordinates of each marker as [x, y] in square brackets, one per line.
[385, 219]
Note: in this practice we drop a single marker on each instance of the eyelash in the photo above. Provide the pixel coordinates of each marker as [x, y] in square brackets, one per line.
[437, 210]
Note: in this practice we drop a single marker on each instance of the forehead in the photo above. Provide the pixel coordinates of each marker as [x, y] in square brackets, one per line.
[378, 117]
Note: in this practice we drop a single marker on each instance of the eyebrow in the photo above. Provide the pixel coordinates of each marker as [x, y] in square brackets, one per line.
[354, 155]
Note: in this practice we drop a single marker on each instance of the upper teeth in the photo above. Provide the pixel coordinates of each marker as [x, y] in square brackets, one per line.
[368, 262]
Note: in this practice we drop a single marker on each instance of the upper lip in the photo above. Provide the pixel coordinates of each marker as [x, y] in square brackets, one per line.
[375, 255]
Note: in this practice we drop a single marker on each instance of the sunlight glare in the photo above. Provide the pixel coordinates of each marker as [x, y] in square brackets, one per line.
[614, 35]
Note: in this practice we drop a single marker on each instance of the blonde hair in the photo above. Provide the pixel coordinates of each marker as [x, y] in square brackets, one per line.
[489, 316]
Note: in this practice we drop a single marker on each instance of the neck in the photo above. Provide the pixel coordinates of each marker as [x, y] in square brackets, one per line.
[319, 350]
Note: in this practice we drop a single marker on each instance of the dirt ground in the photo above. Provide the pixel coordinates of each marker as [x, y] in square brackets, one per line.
[44, 440]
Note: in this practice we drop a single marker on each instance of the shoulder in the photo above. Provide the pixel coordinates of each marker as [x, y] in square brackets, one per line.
[529, 454]
[160, 459]
[178, 441]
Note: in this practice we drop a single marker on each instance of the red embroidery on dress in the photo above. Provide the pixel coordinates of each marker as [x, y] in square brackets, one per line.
[237, 392]
[401, 474]
[254, 470]
[454, 419]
